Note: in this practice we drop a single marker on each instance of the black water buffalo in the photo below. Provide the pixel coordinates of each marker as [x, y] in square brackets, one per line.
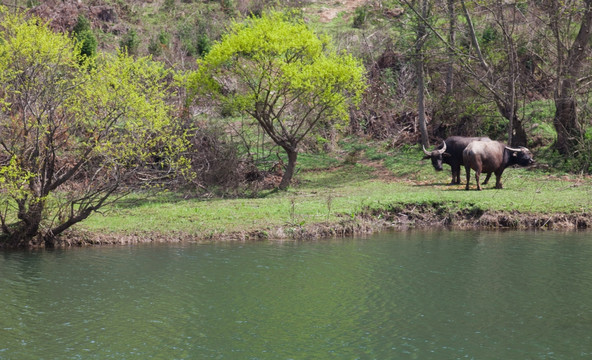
[493, 156]
[451, 153]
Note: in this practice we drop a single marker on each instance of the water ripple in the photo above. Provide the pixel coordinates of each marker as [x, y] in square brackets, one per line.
[406, 295]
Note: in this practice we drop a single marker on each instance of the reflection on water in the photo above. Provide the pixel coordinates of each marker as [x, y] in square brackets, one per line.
[420, 295]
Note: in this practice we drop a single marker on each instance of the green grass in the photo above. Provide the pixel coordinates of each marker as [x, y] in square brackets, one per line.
[344, 191]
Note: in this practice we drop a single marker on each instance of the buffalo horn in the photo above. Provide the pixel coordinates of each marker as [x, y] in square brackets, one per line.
[441, 151]
[425, 151]
[514, 149]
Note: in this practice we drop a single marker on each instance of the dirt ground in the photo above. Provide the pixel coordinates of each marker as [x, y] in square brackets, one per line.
[348, 6]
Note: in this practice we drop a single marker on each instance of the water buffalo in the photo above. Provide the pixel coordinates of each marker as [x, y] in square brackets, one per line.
[493, 156]
[451, 153]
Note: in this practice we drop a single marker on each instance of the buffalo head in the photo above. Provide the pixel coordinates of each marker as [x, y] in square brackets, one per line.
[521, 156]
[436, 156]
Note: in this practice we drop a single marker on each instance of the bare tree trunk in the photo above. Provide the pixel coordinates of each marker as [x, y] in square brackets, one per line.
[451, 41]
[516, 133]
[30, 215]
[566, 122]
[473, 35]
[511, 90]
[423, 128]
[505, 101]
[289, 173]
[419, 65]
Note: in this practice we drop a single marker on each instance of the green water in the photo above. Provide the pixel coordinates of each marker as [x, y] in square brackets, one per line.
[438, 295]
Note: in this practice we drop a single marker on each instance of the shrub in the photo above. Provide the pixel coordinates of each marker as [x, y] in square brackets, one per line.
[130, 42]
[82, 24]
[215, 159]
[84, 35]
[88, 42]
[195, 38]
[157, 44]
[227, 6]
[360, 16]
[204, 44]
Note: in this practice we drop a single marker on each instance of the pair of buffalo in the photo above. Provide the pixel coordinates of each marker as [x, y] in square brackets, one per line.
[480, 154]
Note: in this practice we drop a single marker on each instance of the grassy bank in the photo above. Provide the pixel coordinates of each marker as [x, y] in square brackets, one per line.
[371, 189]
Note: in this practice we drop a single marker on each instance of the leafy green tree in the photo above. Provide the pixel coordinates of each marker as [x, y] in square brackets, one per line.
[82, 24]
[75, 135]
[83, 33]
[288, 79]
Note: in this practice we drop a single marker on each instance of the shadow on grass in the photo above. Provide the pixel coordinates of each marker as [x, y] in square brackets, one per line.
[337, 177]
[434, 184]
[137, 200]
[473, 188]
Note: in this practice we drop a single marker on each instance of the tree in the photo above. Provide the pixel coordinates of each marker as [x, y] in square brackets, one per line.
[498, 80]
[288, 79]
[570, 64]
[501, 85]
[75, 134]
[422, 35]
[451, 40]
[83, 33]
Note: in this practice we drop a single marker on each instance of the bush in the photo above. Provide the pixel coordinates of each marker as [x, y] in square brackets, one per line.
[130, 42]
[82, 24]
[196, 39]
[88, 42]
[215, 159]
[204, 44]
[156, 45]
[227, 7]
[360, 16]
[581, 160]
[84, 35]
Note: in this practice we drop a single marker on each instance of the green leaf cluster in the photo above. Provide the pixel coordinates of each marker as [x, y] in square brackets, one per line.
[278, 61]
[88, 126]
[84, 35]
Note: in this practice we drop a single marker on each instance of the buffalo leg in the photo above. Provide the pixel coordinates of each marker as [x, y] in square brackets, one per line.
[498, 181]
[486, 179]
[455, 175]
[468, 170]
[477, 174]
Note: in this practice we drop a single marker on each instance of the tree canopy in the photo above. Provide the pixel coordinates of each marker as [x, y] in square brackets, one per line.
[91, 127]
[286, 77]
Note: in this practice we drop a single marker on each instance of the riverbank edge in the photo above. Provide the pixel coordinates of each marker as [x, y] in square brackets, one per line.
[394, 217]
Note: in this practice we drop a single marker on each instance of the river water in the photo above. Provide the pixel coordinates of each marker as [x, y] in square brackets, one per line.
[411, 295]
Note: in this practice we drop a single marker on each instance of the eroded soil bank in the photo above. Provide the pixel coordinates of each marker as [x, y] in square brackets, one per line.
[398, 217]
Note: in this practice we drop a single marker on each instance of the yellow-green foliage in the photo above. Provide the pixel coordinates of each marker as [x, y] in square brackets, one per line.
[27, 48]
[14, 179]
[126, 99]
[282, 63]
[65, 118]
